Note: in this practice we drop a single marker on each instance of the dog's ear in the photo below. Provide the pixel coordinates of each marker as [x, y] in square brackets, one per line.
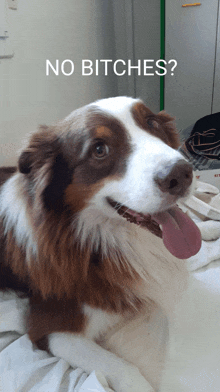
[60, 178]
[24, 162]
[42, 145]
[169, 127]
[46, 167]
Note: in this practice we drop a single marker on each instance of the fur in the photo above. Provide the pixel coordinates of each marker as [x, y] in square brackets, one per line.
[86, 269]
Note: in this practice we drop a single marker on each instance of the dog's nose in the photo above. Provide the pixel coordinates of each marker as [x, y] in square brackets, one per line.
[175, 178]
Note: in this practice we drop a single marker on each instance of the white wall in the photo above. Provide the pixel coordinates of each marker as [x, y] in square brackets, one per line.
[51, 29]
[146, 16]
[137, 27]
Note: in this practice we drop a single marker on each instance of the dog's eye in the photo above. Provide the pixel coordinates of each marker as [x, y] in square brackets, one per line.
[152, 123]
[100, 150]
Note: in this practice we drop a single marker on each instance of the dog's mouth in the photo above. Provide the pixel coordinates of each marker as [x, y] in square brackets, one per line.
[136, 217]
[179, 233]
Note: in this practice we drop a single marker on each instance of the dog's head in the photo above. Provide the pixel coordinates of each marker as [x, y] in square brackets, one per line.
[111, 156]
[115, 149]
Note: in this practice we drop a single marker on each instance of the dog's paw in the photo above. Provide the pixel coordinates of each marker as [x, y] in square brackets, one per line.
[210, 230]
[133, 381]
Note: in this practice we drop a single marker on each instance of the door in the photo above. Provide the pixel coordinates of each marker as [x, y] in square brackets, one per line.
[191, 40]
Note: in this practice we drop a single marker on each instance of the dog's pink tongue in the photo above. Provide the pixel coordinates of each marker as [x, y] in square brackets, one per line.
[180, 234]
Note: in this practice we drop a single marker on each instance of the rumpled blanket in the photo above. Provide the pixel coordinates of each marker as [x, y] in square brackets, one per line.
[193, 358]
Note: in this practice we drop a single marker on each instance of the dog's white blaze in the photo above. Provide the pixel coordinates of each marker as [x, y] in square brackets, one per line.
[13, 210]
[118, 107]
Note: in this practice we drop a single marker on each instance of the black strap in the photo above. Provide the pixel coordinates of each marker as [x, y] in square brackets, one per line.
[198, 143]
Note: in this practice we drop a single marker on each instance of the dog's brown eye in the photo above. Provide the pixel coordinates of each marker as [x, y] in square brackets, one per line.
[100, 150]
[152, 123]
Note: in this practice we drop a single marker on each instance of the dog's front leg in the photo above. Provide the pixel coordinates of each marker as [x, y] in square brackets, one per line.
[82, 352]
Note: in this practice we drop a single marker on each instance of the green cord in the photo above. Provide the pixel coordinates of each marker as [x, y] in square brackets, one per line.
[162, 49]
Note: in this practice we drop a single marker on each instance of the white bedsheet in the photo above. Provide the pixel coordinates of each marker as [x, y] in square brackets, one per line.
[193, 360]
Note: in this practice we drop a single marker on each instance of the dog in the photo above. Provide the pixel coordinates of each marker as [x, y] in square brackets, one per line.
[90, 230]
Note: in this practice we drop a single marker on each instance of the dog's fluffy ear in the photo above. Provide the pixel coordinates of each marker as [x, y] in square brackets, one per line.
[46, 167]
[42, 145]
[60, 178]
[24, 162]
[169, 127]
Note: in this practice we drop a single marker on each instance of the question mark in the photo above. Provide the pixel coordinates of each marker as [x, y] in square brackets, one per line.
[174, 66]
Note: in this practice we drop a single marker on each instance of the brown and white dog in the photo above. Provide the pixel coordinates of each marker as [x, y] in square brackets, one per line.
[80, 230]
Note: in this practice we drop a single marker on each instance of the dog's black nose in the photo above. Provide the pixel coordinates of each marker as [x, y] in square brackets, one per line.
[175, 178]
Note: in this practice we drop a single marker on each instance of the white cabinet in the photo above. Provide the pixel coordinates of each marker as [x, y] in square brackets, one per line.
[191, 39]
